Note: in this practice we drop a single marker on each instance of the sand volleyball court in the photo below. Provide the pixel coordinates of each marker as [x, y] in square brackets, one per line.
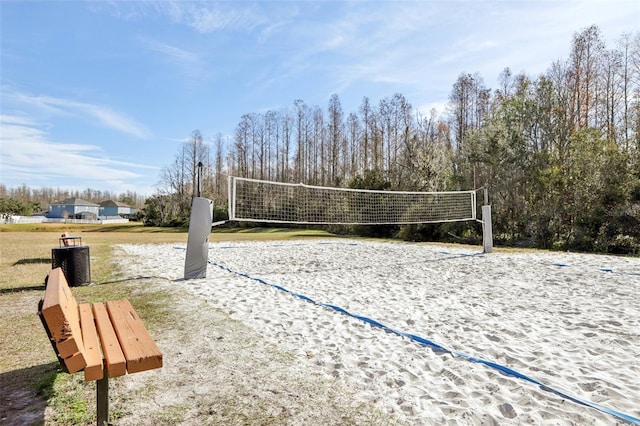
[569, 322]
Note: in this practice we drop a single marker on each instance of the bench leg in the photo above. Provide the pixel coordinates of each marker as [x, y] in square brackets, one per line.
[102, 400]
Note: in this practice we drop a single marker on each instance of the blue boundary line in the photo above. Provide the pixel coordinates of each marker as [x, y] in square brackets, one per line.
[604, 270]
[441, 349]
[286, 245]
[560, 265]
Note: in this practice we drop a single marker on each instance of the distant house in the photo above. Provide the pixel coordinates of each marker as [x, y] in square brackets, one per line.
[74, 208]
[111, 208]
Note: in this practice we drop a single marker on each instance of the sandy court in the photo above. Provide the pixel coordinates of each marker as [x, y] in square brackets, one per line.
[570, 321]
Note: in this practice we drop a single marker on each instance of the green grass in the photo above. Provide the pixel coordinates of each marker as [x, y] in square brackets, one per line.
[69, 400]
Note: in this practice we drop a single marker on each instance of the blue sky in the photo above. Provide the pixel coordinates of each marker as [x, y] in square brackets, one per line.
[101, 94]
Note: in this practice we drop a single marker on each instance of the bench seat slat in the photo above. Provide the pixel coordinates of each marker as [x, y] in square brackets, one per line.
[140, 350]
[94, 369]
[113, 356]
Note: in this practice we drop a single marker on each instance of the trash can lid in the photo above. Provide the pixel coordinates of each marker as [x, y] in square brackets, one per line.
[68, 240]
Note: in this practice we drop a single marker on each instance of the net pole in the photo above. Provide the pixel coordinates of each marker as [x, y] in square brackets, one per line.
[231, 198]
[487, 226]
[473, 205]
[487, 232]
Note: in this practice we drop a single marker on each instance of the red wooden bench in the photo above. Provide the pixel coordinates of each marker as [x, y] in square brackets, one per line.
[100, 339]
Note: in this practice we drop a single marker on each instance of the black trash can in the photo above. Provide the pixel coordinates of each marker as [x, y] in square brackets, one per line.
[73, 258]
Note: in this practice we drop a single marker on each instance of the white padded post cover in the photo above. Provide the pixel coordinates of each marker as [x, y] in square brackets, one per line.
[195, 264]
[487, 232]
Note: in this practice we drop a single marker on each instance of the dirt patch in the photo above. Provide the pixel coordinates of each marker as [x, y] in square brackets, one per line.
[21, 407]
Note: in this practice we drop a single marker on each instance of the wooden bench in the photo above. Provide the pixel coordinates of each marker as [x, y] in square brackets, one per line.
[101, 340]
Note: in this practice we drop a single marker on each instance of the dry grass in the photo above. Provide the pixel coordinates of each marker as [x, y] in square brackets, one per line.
[27, 361]
[25, 260]
[28, 368]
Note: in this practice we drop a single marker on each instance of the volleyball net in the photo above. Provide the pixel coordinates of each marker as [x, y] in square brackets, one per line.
[253, 200]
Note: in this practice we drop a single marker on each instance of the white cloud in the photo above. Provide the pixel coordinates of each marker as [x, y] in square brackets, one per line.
[210, 18]
[419, 48]
[115, 120]
[202, 16]
[425, 109]
[29, 156]
[181, 56]
[190, 64]
[59, 106]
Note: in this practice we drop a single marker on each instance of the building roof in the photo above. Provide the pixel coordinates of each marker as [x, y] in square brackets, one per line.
[75, 202]
[113, 203]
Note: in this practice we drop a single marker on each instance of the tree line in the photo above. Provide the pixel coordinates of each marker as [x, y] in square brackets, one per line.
[24, 200]
[559, 152]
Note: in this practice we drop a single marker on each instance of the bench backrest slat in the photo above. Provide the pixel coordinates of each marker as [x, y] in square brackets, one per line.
[60, 312]
[113, 356]
[94, 369]
[139, 348]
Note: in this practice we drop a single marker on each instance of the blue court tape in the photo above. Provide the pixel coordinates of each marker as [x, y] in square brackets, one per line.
[462, 254]
[286, 245]
[605, 270]
[439, 348]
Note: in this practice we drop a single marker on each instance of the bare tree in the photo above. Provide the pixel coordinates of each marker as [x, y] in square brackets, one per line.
[335, 134]
[319, 142]
[272, 139]
[301, 156]
[366, 114]
[285, 148]
[354, 131]
[612, 98]
[629, 53]
[586, 50]
[240, 153]
[219, 182]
